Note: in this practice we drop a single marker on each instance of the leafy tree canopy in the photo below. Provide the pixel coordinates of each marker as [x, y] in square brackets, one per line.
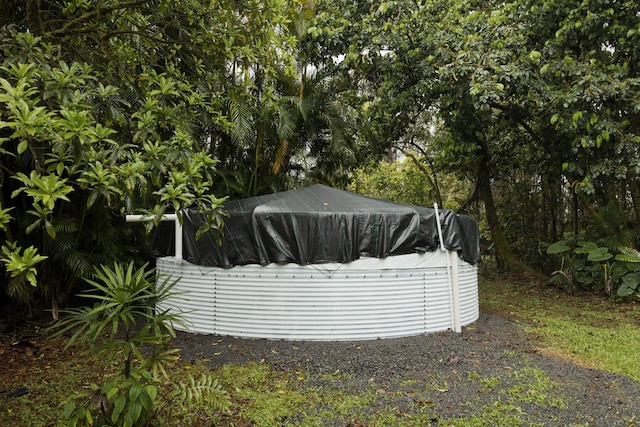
[109, 107]
[538, 94]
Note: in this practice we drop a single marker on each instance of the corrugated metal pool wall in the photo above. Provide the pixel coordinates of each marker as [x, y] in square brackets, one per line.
[296, 302]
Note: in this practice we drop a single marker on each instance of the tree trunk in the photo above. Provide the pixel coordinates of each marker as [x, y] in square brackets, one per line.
[634, 189]
[505, 258]
[427, 173]
[34, 17]
[576, 212]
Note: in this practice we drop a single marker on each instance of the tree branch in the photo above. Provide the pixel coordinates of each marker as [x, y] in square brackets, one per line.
[74, 26]
[518, 119]
[426, 172]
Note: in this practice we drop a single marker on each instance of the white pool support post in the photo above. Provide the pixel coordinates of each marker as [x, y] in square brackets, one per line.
[166, 217]
[452, 275]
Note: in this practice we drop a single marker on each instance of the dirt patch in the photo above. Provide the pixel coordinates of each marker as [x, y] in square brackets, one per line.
[555, 353]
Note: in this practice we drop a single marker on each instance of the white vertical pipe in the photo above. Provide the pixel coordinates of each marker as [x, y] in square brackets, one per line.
[178, 239]
[166, 217]
[455, 285]
[452, 276]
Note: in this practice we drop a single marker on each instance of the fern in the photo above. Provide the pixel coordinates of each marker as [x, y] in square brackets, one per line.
[609, 228]
[204, 391]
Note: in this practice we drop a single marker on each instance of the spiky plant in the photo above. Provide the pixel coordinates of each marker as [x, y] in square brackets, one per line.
[125, 315]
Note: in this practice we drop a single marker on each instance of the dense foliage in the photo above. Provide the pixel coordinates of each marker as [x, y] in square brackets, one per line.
[534, 103]
[410, 182]
[112, 106]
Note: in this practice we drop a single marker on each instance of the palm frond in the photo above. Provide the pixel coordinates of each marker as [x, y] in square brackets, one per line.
[609, 228]
[282, 154]
[241, 117]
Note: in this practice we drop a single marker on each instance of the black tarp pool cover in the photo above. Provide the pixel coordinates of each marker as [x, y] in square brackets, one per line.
[320, 224]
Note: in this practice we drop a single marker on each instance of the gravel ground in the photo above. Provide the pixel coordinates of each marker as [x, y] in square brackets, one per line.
[488, 361]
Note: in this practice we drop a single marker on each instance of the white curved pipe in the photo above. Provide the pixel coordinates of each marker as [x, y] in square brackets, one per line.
[435, 208]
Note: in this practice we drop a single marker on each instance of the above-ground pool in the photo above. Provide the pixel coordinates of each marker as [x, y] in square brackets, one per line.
[366, 299]
[323, 264]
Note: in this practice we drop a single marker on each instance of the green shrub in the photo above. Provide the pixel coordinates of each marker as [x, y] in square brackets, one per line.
[584, 264]
[125, 319]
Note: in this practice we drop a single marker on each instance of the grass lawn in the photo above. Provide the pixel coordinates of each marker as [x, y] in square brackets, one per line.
[588, 329]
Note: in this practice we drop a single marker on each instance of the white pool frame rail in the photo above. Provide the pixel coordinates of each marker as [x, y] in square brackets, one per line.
[165, 217]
